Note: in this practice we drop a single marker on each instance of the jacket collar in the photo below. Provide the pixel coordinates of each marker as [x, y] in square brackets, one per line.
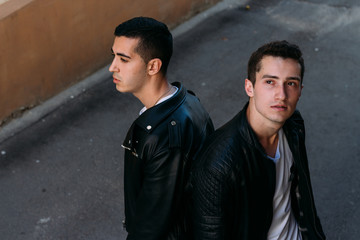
[247, 132]
[152, 117]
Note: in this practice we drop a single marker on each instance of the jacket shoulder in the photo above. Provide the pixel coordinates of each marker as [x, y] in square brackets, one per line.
[222, 149]
[295, 122]
[186, 126]
[296, 116]
[191, 118]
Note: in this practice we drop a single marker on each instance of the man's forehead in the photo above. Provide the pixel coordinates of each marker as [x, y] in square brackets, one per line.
[273, 60]
[125, 43]
[276, 67]
[126, 47]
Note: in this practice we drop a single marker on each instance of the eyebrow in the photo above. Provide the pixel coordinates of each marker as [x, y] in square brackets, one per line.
[276, 77]
[120, 54]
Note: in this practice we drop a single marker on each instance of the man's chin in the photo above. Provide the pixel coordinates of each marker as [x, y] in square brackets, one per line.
[119, 89]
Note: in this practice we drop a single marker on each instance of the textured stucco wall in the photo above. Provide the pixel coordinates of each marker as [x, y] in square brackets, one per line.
[48, 45]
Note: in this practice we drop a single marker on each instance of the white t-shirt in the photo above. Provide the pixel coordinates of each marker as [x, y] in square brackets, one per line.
[284, 225]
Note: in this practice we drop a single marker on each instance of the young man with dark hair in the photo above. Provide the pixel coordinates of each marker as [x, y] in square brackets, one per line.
[252, 179]
[162, 142]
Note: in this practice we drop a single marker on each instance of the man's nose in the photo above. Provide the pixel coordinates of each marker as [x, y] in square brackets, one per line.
[281, 92]
[113, 67]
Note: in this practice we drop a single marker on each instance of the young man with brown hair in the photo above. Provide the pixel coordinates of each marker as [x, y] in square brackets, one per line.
[252, 179]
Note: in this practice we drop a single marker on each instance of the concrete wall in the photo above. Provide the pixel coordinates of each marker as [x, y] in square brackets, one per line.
[48, 45]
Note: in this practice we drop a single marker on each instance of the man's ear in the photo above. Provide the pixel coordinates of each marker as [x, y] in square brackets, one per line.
[249, 88]
[154, 66]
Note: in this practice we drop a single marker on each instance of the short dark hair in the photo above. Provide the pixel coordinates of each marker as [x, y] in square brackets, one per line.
[155, 39]
[281, 49]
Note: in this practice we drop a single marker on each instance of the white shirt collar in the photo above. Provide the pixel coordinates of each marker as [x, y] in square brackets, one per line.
[160, 100]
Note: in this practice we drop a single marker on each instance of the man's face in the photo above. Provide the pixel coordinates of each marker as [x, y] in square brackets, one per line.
[128, 68]
[276, 92]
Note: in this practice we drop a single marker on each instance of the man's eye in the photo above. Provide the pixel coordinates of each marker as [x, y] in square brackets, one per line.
[292, 84]
[123, 60]
[269, 81]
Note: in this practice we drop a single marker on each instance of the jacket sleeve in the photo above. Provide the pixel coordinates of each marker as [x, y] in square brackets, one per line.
[156, 202]
[209, 195]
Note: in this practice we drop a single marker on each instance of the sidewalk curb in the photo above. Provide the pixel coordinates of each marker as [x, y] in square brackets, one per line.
[34, 115]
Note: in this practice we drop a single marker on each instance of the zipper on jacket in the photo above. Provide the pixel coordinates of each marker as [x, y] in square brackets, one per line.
[132, 151]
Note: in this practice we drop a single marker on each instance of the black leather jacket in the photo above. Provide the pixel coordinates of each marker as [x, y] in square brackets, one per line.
[160, 146]
[234, 184]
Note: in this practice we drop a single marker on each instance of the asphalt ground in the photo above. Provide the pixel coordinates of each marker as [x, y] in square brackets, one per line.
[61, 164]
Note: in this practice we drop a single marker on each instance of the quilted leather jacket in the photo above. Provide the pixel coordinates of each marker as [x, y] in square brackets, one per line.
[234, 184]
[159, 150]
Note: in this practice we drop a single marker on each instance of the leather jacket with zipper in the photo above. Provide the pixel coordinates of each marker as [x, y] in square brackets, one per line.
[159, 150]
[234, 184]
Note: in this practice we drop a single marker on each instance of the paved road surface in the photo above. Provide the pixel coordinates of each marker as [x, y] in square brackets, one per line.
[61, 177]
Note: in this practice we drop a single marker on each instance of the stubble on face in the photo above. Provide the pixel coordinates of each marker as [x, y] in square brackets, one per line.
[277, 89]
[128, 67]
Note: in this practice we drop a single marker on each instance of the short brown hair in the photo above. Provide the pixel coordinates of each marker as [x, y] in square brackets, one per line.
[281, 49]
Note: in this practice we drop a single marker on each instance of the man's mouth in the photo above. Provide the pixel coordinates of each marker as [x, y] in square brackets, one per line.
[115, 80]
[279, 107]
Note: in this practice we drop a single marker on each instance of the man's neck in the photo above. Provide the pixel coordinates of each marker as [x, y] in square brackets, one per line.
[154, 90]
[270, 144]
[266, 133]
